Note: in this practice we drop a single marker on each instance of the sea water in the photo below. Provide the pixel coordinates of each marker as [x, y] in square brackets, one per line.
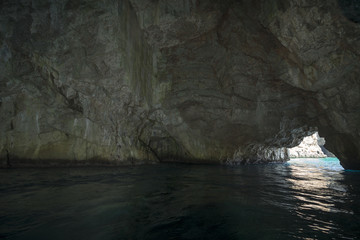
[300, 199]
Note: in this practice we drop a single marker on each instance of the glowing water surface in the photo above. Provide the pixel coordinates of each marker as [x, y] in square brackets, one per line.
[301, 199]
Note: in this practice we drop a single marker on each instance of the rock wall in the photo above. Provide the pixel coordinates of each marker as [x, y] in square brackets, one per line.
[310, 147]
[72, 81]
[140, 81]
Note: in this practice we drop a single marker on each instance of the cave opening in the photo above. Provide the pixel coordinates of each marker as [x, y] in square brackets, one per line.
[312, 150]
[312, 146]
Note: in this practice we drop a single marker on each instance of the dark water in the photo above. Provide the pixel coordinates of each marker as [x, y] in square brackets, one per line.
[302, 199]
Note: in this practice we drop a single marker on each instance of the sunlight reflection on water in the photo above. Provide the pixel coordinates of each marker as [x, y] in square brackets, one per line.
[301, 199]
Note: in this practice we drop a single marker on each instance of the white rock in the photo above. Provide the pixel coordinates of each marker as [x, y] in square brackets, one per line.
[308, 148]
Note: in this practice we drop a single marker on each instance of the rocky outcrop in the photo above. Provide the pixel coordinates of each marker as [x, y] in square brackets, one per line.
[310, 147]
[140, 81]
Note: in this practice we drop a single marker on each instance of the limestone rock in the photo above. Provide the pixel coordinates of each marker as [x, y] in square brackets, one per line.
[308, 148]
[141, 81]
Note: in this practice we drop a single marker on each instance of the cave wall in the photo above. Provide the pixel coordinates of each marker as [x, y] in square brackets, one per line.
[140, 81]
[67, 82]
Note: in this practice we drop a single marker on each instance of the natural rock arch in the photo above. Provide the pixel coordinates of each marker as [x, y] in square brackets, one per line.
[138, 81]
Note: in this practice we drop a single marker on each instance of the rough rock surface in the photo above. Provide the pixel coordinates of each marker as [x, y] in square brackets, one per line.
[142, 81]
[308, 148]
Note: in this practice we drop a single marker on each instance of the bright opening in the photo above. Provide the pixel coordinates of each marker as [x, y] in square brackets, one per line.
[312, 151]
[311, 147]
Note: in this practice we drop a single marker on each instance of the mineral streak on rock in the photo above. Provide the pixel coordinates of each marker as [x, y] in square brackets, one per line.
[142, 81]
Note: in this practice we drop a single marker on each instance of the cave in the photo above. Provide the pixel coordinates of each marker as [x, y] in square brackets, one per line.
[172, 119]
[131, 82]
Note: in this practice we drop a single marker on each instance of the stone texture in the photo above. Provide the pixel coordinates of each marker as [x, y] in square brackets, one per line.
[141, 81]
[310, 147]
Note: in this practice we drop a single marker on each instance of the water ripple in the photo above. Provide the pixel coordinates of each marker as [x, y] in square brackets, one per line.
[302, 199]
